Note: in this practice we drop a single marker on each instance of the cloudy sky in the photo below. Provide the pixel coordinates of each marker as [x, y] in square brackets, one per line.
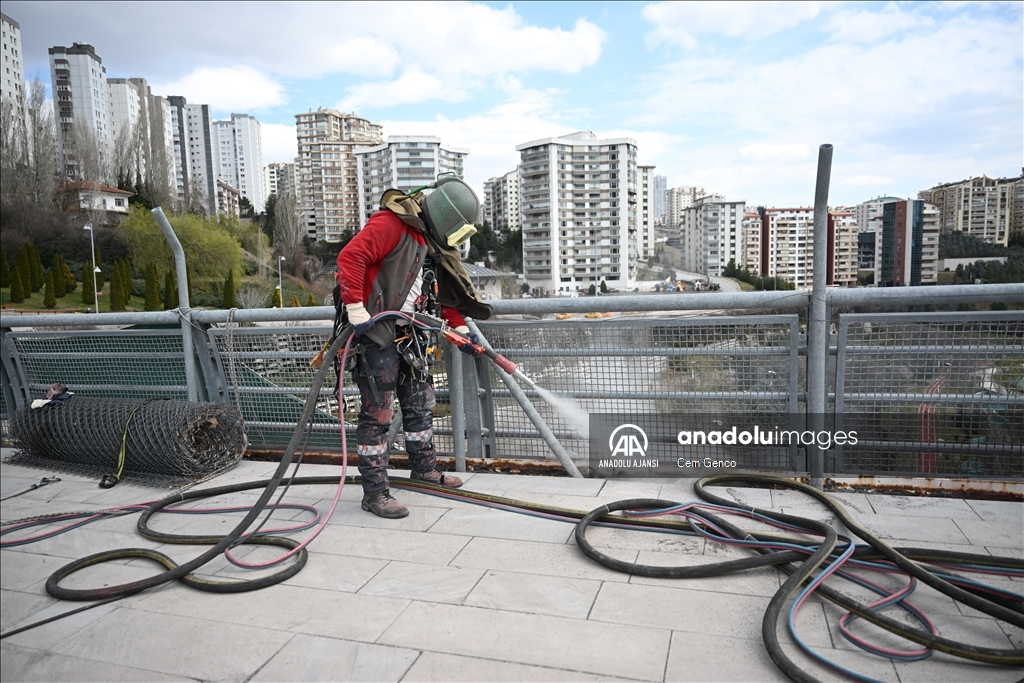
[734, 96]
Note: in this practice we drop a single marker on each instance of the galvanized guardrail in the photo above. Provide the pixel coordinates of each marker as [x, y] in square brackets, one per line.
[935, 394]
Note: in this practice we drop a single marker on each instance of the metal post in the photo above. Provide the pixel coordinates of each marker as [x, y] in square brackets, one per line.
[280, 282]
[185, 309]
[817, 321]
[457, 400]
[531, 412]
[95, 268]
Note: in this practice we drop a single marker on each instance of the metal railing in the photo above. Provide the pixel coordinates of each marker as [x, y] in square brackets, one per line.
[937, 394]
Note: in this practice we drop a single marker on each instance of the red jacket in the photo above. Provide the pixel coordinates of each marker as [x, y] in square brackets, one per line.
[359, 262]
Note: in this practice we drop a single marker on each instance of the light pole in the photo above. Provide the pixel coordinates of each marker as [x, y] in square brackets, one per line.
[95, 268]
[280, 289]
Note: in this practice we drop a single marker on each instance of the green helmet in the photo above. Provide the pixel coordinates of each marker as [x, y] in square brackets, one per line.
[452, 208]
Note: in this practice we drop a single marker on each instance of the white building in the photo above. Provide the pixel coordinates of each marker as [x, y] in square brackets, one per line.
[327, 194]
[647, 212]
[678, 200]
[238, 157]
[403, 162]
[579, 211]
[501, 202]
[712, 232]
[12, 80]
[279, 178]
[81, 108]
[660, 187]
[780, 243]
[200, 146]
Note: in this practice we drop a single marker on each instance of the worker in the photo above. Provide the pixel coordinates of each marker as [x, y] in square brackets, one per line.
[406, 258]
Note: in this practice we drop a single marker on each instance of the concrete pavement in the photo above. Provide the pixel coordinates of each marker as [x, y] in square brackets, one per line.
[459, 592]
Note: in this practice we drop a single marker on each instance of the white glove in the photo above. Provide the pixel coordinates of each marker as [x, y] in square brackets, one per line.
[462, 329]
[357, 314]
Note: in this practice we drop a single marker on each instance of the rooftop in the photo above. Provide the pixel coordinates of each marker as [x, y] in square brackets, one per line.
[457, 591]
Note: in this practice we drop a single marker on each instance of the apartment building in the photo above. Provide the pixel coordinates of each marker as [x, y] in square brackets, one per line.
[327, 170]
[580, 219]
[785, 245]
[81, 109]
[238, 157]
[678, 200]
[645, 213]
[909, 251]
[12, 80]
[660, 187]
[982, 207]
[712, 234]
[403, 162]
[501, 202]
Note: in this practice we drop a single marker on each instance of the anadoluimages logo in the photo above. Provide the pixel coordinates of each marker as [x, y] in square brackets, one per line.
[628, 441]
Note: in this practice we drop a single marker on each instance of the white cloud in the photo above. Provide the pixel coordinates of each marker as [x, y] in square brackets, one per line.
[227, 88]
[411, 87]
[679, 23]
[361, 55]
[864, 26]
[279, 143]
[763, 151]
[866, 181]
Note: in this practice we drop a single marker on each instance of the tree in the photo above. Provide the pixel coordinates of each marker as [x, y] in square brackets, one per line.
[153, 299]
[210, 247]
[604, 287]
[5, 269]
[289, 233]
[88, 283]
[276, 301]
[24, 270]
[170, 290]
[295, 302]
[49, 298]
[311, 300]
[70, 284]
[245, 208]
[17, 284]
[229, 291]
[116, 293]
[60, 284]
[251, 295]
[35, 266]
[592, 290]
[100, 276]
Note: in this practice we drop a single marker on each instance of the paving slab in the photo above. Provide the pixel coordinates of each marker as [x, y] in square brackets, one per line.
[432, 666]
[568, 486]
[426, 582]
[533, 557]
[534, 594]
[28, 664]
[701, 657]
[315, 658]
[125, 637]
[492, 523]
[390, 544]
[606, 649]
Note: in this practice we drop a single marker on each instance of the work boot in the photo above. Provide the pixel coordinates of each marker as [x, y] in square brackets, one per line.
[437, 478]
[383, 505]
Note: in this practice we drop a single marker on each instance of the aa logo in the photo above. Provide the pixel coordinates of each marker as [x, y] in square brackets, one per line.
[629, 441]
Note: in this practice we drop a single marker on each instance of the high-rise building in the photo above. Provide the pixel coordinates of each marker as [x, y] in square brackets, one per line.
[645, 213]
[579, 211]
[403, 162]
[202, 171]
[238, 157]
[660, 187]
[786, 246]
[12, 81]
[910, 244]
[501, 202]
[677, 200]
[981, 207]
[712, 232]
[327, 170]
[82, 111]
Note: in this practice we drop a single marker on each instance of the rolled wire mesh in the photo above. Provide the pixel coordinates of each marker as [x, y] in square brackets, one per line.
[166, 440]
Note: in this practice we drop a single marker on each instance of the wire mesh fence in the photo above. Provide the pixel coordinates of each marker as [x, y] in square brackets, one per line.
[714, 367]
[932, 394]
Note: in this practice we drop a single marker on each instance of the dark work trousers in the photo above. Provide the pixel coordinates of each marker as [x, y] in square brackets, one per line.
[393, 377]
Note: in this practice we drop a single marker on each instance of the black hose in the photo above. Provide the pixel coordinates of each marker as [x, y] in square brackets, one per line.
[222, 542]
[801, 568]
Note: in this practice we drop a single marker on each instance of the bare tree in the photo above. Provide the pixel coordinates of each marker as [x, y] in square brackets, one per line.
[252, 295]
[288, 233]
[29, 151]
[87, 157]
